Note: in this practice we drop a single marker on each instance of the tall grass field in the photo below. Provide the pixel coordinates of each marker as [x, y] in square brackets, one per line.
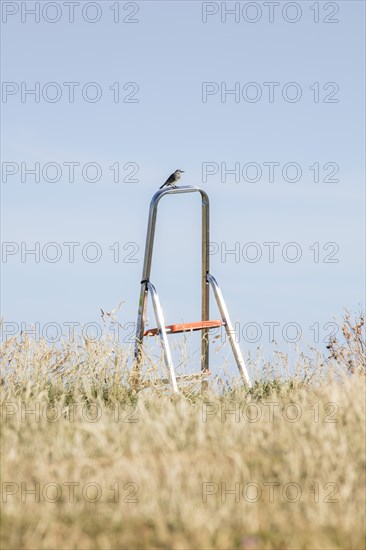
[92, 459]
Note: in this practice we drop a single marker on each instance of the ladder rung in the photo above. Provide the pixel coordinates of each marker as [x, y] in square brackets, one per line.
[185, 327]
[181, 378]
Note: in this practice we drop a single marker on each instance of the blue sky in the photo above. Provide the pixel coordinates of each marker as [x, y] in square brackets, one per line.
[169, 53]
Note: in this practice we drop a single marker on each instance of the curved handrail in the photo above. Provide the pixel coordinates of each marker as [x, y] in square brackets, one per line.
[148, 260]
[152, 222]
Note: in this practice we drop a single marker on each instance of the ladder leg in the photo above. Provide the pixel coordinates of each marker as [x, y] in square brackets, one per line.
[163, 336]
[205, 313]
[141, 320]
[229, 330]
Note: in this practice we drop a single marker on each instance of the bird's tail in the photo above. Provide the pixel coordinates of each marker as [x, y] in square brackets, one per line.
[162, 186]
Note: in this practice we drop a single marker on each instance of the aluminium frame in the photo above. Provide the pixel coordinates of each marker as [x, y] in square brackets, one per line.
[206, 280]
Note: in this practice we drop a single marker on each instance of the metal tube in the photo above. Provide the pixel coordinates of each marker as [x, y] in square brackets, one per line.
[229, 330]
[152, 219]
[140, 326]
[163, 336]
[149, 246]
[205, 312]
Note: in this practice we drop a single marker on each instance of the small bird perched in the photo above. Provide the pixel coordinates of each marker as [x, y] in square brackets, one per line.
[173, 178]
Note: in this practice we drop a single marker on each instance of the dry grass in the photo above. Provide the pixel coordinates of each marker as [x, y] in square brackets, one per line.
[176, 456]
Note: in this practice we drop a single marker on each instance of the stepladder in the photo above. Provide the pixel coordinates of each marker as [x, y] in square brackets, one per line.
[207, 281]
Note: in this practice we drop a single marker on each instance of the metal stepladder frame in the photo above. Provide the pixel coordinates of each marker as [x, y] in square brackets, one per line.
[207, 280]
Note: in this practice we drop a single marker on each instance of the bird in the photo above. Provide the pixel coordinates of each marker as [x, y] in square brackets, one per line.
[173, 178]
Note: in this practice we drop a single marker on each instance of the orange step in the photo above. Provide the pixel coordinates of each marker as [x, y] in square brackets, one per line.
[185, 327]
